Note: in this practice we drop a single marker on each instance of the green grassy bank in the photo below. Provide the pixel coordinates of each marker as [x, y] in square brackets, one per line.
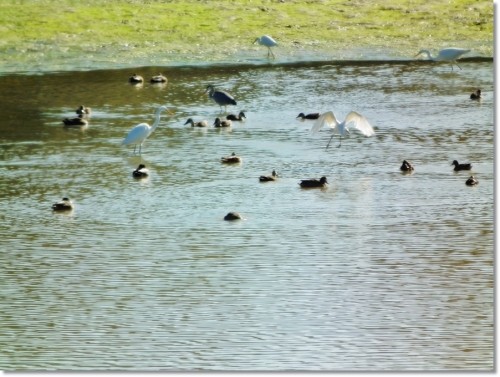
[212, 30]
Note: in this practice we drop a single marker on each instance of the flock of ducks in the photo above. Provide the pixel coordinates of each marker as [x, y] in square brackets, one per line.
[139, 133]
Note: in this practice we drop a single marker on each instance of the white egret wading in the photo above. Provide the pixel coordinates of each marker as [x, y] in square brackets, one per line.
[142, 131]
[267, 41]
[446, 55]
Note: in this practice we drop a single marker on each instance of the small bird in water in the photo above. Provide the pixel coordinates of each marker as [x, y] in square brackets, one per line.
[158, 79]
[64, 205]
[472, 181]
[308, 116]
[84, 111]
[267, 41]
[136, 79]
[79, 121]
[201, 123]
[221, 97]
[476, 95]
[306, 183]
[268, 178]
[140, 172]
[232, 159]
[459, 167]
[406, 166]
[240, 117]
[233, 216]
[222, 123]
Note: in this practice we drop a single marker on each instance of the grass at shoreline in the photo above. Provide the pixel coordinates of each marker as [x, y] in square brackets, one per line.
[55, 29]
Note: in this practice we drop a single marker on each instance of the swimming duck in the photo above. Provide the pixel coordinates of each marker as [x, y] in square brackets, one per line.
[84, 111]
[140, 172]
[407, 166]
[233, 159]
[222, 123]
[476, 95]
[240, 117]
[461, 166]
[472, 181]
[158, 79]
[136, 79]
[308, 116]
[322, 182]
[75, 121]
[201, 123]
[64, 205]
[233, 216]
[268, 178]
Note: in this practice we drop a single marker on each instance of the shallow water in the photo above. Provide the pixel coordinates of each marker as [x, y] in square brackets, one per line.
[379, 271]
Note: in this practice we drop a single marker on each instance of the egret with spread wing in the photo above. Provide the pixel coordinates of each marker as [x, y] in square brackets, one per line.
[354, 119]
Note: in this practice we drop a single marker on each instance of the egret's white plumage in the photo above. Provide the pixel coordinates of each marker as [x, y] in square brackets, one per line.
[142, 131]
[267, 41]
[446, 54]
[354, 119]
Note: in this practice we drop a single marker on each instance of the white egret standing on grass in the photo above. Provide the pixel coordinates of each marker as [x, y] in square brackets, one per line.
[142, 131]
[355, 119]
[267, 41]
[446, 55]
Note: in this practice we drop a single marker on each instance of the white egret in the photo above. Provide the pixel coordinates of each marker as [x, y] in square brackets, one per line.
[142, 131]
[459, 167]
[446, 55]
[64, 205]
[267, 41]
[221, 97]
[309, 183]
[358, 121]
[140, 172]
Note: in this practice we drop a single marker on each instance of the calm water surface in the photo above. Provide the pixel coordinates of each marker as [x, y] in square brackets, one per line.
[379, 271]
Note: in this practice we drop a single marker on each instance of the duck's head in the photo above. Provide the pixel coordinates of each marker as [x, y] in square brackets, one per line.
[323, 180]
[455, 162]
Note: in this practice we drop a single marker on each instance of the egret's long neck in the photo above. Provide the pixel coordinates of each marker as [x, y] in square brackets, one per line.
[157, 121]
[429, 56]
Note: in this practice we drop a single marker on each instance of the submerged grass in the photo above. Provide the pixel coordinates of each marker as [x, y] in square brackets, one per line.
[142, 31]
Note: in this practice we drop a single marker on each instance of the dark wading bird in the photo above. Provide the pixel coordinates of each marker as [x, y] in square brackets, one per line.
[140, 172]
[142, 131]
[267, 41]
[476, 95]
[446, 55]
[310, 183]
[64, 205]
[358, 122]
[221, 97]
[308, 116]
[240, 117]
[459, 167]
